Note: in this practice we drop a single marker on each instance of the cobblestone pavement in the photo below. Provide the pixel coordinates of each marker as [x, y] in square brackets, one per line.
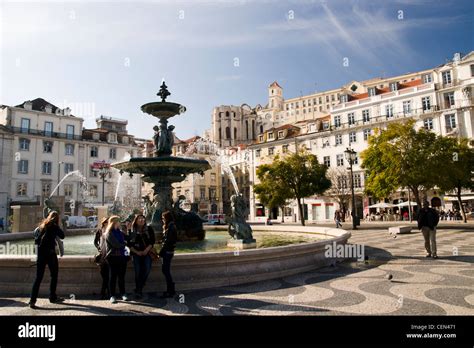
[419, 286]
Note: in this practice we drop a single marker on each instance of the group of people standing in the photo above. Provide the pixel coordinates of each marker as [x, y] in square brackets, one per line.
[136, 241]
[116, 246]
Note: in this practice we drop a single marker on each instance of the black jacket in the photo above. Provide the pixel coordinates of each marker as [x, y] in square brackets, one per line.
[170, 237]
[140, 241]
[46, 238]
[428, 218]
[97, 238]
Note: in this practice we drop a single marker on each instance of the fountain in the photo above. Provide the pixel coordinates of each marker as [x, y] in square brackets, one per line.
[164, 169]
[238, 229]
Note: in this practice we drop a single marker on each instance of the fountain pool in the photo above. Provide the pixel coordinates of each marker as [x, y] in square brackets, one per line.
[214, 241]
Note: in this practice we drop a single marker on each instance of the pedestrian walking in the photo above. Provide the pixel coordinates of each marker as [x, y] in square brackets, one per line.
[337, 218]
[427, 221]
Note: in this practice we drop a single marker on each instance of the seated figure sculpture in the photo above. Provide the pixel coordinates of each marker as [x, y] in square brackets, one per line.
[238, 227]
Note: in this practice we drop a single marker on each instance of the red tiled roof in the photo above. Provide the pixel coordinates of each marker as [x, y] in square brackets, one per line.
[274, 84]
[387, 89]
[190, 140]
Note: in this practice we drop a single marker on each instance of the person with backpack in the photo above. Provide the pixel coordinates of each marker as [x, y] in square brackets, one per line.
[100, 244]
[45, 240]
[170, 237]
[117, 257]
[141, 243]
[428, 219]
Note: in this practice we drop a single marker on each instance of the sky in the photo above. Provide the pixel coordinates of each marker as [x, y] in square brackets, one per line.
[109, 58]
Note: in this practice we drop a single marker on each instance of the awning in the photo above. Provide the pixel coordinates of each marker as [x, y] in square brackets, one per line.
[463, 198]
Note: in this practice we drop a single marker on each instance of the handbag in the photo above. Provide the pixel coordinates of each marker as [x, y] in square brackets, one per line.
[153, 254]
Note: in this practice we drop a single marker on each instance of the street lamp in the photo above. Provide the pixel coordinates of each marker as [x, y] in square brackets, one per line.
[103, 168]
[351, 156]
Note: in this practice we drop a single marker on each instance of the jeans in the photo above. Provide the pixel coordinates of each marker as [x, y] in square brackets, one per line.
[46, 257]
[118, 267]
[166, 269]
[430, 239]
[104, 273]
[142, 265]
[338, 223]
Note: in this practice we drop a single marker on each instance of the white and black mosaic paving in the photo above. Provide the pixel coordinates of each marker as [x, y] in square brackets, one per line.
[419, 286]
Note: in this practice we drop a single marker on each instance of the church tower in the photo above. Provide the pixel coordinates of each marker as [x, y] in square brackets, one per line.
[275, 96]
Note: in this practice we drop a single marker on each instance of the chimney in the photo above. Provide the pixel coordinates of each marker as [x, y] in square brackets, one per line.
[48, 109]
[28, 105]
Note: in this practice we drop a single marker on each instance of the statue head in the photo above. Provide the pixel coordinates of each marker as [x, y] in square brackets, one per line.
[156, 129]
[170, 127]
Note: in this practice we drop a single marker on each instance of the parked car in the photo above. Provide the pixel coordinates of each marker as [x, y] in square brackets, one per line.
[215, 219]
[92, 221]
[76, 221]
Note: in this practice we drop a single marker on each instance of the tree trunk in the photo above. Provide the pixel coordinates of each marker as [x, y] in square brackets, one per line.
[461, 207]
[282, 214]
[416, 194]
[300, 209]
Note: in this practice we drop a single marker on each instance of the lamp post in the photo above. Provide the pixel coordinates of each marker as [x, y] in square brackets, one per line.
[350, 157]
[103, 169]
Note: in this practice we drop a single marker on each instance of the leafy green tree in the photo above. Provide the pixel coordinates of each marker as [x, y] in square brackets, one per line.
[456, 167]
[300, 175]
[270, 193]
[400, 156]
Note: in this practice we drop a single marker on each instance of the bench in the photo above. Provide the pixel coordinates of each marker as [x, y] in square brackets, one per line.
[399, 229]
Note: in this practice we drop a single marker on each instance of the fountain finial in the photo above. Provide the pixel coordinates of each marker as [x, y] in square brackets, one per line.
[163, 93]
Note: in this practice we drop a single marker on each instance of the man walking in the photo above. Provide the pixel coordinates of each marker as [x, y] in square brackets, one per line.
[427, 221]
[337, 219]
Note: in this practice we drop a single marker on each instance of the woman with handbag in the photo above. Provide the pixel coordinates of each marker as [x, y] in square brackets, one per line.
[45, 239]
[100, 244]
[170, 237]
[141, 243]
[116, 257]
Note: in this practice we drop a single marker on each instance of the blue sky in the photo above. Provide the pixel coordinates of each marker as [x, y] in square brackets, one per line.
[110, 57]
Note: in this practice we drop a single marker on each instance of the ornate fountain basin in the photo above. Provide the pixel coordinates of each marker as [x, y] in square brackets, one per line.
[169, 167]
[163, 109]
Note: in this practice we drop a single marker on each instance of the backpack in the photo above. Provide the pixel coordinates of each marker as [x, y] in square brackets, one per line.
[38, 236]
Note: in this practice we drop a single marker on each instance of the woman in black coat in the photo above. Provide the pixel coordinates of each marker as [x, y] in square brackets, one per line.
[45, 239]
[170, 236]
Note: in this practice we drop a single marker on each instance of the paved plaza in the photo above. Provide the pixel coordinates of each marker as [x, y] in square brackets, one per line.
[419, 285]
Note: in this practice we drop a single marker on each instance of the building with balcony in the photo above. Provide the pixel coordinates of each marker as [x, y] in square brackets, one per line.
[438, 99]
[49, 143]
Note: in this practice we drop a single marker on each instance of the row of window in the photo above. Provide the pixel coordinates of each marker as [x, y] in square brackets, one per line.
[343, 181]
[24, 145]
[46, 167]
[407, 109]
[307, 102]
[48, 128]
[22, 189]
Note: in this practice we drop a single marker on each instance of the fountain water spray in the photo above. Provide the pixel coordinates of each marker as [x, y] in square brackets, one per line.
[75, 172]
[217, 155]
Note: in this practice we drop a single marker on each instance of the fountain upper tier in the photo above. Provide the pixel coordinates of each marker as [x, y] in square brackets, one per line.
[174, 169]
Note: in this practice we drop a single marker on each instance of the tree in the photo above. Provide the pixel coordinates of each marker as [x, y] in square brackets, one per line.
[456, 171]
[269, 191]
[340, 187]
[300, 175]
[398, 157]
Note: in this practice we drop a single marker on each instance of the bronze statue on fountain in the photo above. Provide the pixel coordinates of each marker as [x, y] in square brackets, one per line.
[163, 169]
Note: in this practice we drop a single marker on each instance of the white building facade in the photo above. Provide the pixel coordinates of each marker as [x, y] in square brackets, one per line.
[439, 99]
